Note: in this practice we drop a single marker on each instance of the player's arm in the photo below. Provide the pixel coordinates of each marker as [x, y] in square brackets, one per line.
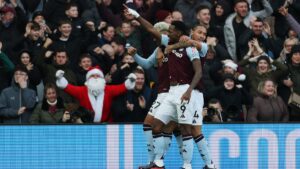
[198, 73]
[146, 63]
[147, 25]
[195, 59]
[186, 41]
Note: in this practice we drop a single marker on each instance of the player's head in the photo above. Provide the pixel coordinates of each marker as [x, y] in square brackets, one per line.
[199, 33]
[176, 30]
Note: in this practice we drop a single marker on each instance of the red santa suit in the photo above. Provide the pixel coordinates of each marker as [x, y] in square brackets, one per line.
[101, 104]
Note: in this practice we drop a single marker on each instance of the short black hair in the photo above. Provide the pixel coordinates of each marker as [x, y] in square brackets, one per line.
[21, 68]
[69, 5]
[35, 26]
[295, 49]
[64, 21]
[213, 101]
[179, 25]
[238, 1]
[201, 7]
[258, 19]
[119, 40]
[37, 13]
[85, 55]
[105, 28]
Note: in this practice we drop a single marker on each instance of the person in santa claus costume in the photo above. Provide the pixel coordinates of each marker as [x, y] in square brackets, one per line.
[95, 95]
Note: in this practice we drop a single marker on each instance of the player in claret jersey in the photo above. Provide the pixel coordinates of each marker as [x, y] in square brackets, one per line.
[182, 102]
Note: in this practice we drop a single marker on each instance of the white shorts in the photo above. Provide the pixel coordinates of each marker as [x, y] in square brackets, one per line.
[173, 109]
[198, 101]
[156, 104]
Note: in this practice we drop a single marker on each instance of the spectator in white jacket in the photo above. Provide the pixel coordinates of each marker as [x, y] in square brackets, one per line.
[239, 21]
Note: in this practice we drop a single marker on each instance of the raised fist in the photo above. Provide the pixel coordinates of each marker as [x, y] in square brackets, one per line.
[130, 82]
[59, 74]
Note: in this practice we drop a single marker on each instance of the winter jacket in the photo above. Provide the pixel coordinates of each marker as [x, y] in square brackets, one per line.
[12, 99]
[266, 108]
[253, 77]
[230, 41]
[41, 113]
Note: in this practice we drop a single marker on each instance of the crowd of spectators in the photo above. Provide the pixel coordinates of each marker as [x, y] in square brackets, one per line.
[249, 72]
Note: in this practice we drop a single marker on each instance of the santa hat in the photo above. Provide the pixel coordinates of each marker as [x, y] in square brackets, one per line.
[94, 70]
[232, 65]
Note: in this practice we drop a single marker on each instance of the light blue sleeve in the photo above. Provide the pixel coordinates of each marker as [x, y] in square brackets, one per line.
[192, 53]
[146, 63]
[204, 49]
[164, 40]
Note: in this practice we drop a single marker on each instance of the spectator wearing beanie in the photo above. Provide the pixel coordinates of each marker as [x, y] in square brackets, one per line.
[232, 97]
[265, 69]
[12, 24]
[17, 101]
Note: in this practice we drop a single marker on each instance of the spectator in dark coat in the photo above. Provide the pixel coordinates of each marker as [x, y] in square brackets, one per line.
[32, 40]
[72, 14]
[134, 106]
[293, 80]
[59, 62]
[17, 101]
[34, 74]
[107, 35]
[54, 10]
[231, 97]
[12, 24]
[85, 62]
[73, 45]
[124, 68]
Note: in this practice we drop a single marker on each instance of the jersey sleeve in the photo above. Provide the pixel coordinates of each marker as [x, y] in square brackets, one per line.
[204, 49]
[192, 53]
[164, 40]
[146, 63]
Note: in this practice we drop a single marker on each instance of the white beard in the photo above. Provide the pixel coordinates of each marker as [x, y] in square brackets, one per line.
[95, 86]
